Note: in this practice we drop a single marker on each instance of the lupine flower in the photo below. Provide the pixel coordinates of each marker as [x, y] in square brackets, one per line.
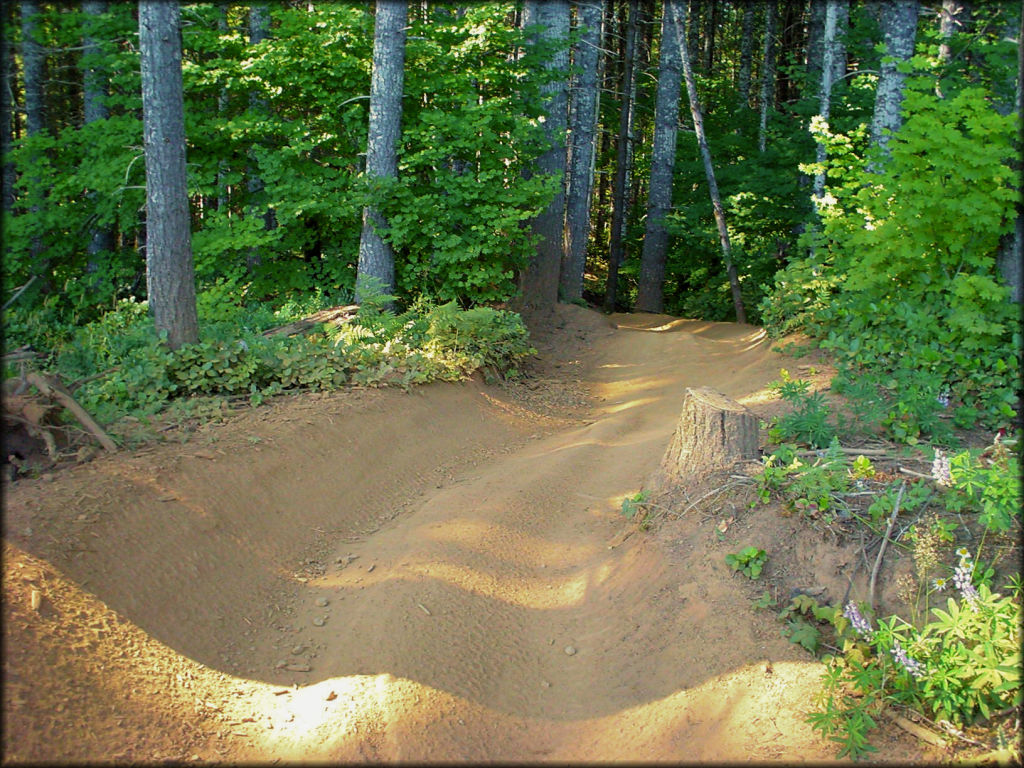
[940, 468]
[913, 666]
[939, 584]
[861, 625]
[962, 581]
[943, 398]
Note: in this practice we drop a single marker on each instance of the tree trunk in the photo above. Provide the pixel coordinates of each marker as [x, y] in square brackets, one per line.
[94, 107]
[693, 8]
[376, 269]
[710, 25]
[619, 197]
[650, 297]
[842, 26]
[815, 42]
[767, 73]
[33, 60]
[899, 31]
[825, 88]
[709, 170]
[953, 18]
[540, 280]
[170, 277]
[590, 17]
[7, 118]
[713, 433]
[746, 54]
[259, 30]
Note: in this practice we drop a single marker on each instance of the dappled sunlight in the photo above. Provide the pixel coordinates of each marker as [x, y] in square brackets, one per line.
[492, 539]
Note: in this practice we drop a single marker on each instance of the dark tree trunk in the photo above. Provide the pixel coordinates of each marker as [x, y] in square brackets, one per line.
[693, 9]
[620, 198]
[746, 54]
[170, 276]
[711, 21]
[650, 296]
[540, 280]
[767, 99]
[709, 170]
[94, 107]
[376, 268]
[899, 32]
[259, 30]
[815, 45]
[590, 16]
[7, 116]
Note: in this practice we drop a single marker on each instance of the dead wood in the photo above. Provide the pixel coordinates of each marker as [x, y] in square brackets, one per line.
[53, 388]
[713, 433]
[334, 316]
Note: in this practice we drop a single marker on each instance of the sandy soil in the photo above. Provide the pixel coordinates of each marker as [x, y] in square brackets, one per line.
[441, 575]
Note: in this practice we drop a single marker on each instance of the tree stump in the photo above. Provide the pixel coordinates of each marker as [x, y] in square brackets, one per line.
[713, 433]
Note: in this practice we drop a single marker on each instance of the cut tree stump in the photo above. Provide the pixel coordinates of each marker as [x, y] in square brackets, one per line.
[713, 433]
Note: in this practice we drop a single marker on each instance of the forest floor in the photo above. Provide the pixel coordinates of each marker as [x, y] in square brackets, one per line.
[440, 575]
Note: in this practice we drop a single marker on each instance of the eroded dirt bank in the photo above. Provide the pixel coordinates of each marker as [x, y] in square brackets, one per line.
[432, 576]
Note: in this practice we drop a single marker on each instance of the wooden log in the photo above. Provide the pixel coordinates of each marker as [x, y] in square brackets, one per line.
[53, 388]
[713, 433]
[335, 316]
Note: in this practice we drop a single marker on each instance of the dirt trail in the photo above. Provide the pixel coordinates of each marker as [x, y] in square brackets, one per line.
[432, 576]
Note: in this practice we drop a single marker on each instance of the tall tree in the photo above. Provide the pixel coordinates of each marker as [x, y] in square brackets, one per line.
[6, 117]
[767, 97]
[540, 279]
[620, 200]
[259, 30]
[376, 268]
[953, 18]
[33, 61]
[899, 32]
[746, 54]
[170, 273]
[826, 72]
[650, 294]
[94, 108]
[709, 171]
[590, 18]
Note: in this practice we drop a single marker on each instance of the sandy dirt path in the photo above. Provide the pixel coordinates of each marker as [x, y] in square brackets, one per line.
[434, 576]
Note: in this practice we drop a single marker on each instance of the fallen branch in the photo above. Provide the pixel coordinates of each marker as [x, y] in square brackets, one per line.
[335, 316]
[56, 390]
[915, 730]
[885, 540]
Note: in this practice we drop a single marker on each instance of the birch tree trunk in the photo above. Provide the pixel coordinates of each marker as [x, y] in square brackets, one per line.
[540, 280]
[767, 73]
[709, 170]
[376, 267]
[953, 18]
[170, 276]
[33, 61]
[622, 154]
[825, 89]
[899, 32]
[590, 18]
[650, 295]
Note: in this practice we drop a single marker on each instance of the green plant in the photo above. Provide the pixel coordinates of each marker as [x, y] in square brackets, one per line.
[808, 422]
[961, 665]
[631, 505]
[749, 561]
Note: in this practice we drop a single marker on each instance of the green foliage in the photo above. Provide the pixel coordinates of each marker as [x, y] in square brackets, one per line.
[808, 422]
[894, 242]
[961, 665]
[749, 561]
[990, 487]
[633, 504]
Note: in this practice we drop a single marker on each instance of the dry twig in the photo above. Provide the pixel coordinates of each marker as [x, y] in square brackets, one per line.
[885, 540]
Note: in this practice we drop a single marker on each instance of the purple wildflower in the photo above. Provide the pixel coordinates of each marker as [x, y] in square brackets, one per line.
[913, 666]
[962, 581]
[861, 625]
[940, 468]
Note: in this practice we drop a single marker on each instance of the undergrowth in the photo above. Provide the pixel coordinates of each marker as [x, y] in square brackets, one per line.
[117, 367]
[954, 659]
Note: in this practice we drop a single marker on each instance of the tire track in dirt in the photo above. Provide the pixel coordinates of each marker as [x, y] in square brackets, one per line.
[499, 600]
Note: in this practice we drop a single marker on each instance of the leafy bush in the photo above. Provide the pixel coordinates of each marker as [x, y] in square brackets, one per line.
[896, 242]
